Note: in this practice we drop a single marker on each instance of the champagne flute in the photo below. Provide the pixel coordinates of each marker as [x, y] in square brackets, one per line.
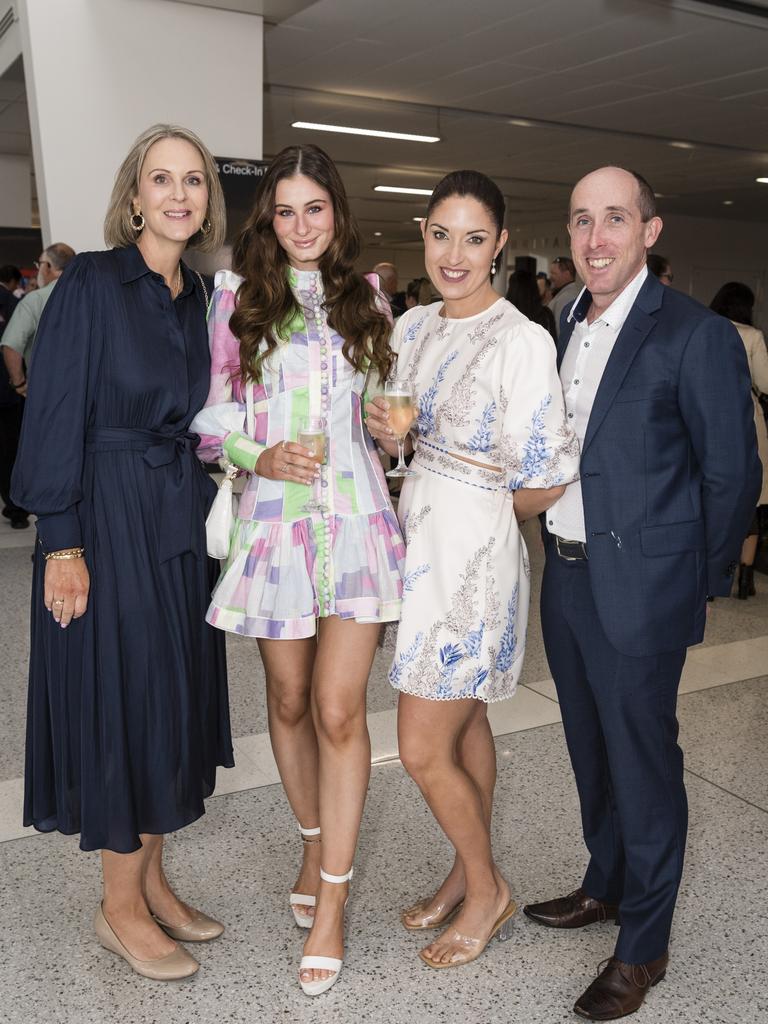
[312, 435]
[402, 413]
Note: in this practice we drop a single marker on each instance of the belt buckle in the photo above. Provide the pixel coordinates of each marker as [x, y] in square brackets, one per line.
[569, 558]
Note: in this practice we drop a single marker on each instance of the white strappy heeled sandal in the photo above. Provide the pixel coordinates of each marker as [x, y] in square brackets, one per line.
[323, 963]
[309, 836]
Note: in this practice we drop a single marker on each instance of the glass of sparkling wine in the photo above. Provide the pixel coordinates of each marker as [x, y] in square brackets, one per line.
[312, 435]
[402, 413]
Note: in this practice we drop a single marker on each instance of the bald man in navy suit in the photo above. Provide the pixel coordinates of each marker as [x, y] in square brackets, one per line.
[658, 390]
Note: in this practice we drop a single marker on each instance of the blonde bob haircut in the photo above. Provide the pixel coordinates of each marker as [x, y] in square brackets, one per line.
[118, 230]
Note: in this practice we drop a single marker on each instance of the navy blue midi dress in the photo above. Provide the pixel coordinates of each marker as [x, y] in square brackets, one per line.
[128, 712]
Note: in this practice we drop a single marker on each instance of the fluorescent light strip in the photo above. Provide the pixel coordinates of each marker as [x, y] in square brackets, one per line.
[762, 181]
[399, 190]
[344, 130]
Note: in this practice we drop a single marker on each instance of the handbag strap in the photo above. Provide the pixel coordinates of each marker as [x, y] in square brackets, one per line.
[250, 418]
[205, 290]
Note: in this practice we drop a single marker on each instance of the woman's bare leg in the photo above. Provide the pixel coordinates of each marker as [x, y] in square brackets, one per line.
[345, 654]
[288, 667]
[125, 906]
[429, 733]
[476, 754]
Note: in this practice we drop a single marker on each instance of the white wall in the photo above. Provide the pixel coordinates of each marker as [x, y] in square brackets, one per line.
[99, 72]
[16, 192]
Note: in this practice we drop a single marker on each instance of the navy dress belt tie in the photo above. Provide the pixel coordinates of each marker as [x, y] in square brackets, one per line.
[160, 449]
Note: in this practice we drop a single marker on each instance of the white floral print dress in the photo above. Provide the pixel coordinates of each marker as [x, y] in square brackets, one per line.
[488, 390]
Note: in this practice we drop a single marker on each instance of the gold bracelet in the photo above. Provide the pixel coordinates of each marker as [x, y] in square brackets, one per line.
[65, 554]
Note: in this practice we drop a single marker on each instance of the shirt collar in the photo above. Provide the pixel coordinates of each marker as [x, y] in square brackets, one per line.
[132, 267]
[618, 311]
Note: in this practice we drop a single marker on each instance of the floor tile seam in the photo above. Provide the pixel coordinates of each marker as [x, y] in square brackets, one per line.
[727, 792]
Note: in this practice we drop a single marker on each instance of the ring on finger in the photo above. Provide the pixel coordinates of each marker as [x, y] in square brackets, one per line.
[59, 600]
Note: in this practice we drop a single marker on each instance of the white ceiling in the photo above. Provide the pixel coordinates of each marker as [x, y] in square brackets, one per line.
[599, 81]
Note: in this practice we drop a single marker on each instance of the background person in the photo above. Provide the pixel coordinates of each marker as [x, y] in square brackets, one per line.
[657, 389]
[128, 715]
[303, 331]
[523, 293]
[565, 287]
[19, 337]
[491, 425]
[389, 277]
[11, 405]
[736, 301]
[660, 267]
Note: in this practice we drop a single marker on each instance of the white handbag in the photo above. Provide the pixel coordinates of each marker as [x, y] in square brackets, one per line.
[221, 518]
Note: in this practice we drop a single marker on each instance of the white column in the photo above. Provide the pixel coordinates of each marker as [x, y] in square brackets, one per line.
[98, 72]
[16, 193]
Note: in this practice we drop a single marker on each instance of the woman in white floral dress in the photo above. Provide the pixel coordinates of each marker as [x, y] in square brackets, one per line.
[492, 447]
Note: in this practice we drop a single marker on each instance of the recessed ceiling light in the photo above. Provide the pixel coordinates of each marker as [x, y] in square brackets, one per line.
[418, 219]
[345, 130]
[401, 190]
[377, 234]
[682, 145]
[520, 122]
[659, 195]
[727, 202]
[763, 181]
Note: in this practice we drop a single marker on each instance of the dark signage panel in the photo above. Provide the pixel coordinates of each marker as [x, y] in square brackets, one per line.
[239, 179]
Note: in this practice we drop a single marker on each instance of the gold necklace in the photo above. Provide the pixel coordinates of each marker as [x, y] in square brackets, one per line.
[179, 283]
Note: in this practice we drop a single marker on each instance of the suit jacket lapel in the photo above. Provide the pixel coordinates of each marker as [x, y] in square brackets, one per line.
[636, 329]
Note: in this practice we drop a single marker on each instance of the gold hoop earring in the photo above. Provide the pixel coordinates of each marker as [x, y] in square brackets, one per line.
[137, 222]
[205, 227]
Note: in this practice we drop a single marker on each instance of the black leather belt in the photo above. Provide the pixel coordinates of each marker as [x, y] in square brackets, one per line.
[571, 550]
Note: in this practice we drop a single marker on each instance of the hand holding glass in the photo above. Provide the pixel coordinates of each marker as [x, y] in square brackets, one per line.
[312, 435]
[402, 414]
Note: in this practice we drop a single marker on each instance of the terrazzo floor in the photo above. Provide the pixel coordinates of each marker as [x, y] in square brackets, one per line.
[237, 862]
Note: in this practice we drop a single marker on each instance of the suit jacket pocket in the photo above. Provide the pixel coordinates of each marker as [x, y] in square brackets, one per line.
[645, 392]
[672, 538]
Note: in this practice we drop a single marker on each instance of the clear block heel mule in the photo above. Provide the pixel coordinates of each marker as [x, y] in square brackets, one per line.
[309, 836]
[323, 963]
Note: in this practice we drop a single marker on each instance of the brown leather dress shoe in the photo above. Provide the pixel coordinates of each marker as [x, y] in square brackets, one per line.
[620, 988]
[571, 911]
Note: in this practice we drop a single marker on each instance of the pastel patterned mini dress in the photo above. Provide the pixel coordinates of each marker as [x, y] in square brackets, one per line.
[286, 567]
[488, 390]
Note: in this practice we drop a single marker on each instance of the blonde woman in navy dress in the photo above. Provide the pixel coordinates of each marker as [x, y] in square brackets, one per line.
[492, 447]
[128, 713]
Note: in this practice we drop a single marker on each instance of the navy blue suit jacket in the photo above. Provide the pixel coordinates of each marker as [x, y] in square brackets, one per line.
[670, 474]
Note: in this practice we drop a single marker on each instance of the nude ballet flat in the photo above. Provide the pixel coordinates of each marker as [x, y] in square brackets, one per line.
[200, 929]
[177, 965]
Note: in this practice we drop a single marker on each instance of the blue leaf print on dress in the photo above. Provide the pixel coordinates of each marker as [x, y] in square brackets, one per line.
[474, 641]
[415, 574]
[414, 329]
[427, 398]
[536, 452]
[479, 678]
[481, 440]
[406, 657]
[450, 655]
[508, 647]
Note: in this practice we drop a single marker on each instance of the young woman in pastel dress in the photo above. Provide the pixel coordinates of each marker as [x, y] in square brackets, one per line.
[492, 446]
[303, 331]
[128, 713]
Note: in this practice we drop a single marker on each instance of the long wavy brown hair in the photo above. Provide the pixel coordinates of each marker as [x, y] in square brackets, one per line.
[265, 302]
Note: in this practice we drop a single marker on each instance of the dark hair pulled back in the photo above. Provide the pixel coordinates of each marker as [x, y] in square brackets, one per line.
[476, 185]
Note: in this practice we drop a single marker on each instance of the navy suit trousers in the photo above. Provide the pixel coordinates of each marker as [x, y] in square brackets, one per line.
[619, 715]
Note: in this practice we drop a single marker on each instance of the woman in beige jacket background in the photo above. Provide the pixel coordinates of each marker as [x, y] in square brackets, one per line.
[736, 301]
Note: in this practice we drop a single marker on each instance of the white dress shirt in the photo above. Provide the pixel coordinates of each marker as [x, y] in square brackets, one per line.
[581, 371]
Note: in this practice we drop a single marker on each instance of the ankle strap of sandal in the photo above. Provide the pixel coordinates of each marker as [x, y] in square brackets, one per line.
[309, 835]
[338, 879]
